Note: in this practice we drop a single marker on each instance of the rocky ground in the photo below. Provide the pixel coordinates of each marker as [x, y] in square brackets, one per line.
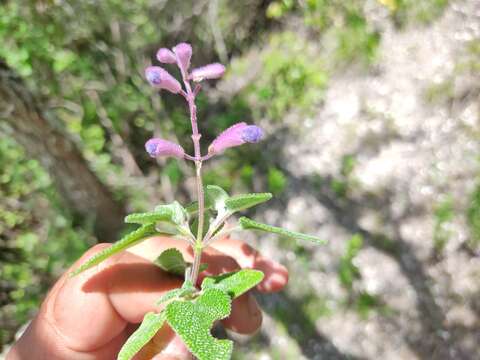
[387, 150]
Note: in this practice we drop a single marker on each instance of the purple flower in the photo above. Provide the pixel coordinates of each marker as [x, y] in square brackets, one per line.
[158, 147]
[252, 134]
[166, 56]
[236, 135]
[210, 71]
[183, 52]
[161, 79]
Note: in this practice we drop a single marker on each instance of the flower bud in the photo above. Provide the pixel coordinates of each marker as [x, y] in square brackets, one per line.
[166, 56]
[183, 52]
[252, 134]
[236, 135]
[158, 147]
[210, 71]
[161, 79]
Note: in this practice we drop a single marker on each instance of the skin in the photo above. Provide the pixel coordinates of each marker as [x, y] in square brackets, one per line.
[89, 317]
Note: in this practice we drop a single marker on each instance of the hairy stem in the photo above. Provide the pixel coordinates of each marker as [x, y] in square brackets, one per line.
[190, 96]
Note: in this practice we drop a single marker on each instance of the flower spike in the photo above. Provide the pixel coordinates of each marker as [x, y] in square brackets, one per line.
[161, 79]
[159, 147]
[210, 71]
[236, 135]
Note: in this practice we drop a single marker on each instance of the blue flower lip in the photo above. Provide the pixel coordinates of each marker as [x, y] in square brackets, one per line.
[252, 134]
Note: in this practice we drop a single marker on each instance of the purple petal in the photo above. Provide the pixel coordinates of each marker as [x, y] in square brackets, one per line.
[235, 135]
[159, 147]
[252, 134]
[210, 71]
[166, 56]
[183, 52]
[161, 79]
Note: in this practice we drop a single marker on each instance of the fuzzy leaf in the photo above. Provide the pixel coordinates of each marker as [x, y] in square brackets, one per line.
[247, 223]
[186, 289]
[234, 283]
[170, 295]
[173, 212]
[207, 218]
[178, 212]
[149, 217]
[245, 201]
[192, 321]
[127, 241]
[152, 322]
[171, 261]
[217, 196]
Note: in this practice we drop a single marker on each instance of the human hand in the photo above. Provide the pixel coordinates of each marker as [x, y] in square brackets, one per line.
[91, 315]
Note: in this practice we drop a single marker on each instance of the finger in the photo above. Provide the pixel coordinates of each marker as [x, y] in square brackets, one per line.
[94, 307]
[165, 345]
[246, 316]
[276, 275]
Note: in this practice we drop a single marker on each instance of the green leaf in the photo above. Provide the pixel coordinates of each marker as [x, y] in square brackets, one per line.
[173, 212]
[152, 322]
[170, 295]
[234, 283]
[187, 289]
[127, 241]
[149, 217]
[171, 260]
[216, 196]
[245, 201]
[247, 223]
[193, 320]
[207, 217]
[178, 213]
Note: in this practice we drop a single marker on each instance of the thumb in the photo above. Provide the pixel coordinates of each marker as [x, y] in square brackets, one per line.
[165, 345]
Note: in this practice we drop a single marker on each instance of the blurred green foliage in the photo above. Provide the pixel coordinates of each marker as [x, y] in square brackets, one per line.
[348, 271]
[349, 274]
[444, 213]
[473, 216]
[42, 239]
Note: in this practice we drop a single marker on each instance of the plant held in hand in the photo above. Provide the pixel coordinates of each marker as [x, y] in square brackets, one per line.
[189, 310]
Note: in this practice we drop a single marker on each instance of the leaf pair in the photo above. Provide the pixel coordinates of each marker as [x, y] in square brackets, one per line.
[192, 317]
[218, 199]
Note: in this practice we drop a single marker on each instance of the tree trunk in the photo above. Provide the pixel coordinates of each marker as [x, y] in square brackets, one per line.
[83, 193]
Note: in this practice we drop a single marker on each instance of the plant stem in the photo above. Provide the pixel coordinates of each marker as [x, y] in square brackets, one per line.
[197, 249]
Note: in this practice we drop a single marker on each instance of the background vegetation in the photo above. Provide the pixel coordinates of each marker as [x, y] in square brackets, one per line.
[80, 65]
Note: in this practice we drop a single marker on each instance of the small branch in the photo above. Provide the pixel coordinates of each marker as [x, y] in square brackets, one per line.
[190, 157]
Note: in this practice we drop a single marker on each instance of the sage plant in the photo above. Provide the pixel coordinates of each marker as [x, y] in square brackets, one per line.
[190, 310]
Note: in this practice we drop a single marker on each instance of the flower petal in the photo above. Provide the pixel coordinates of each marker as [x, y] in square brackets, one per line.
[159, 147]
[161, 79]
[166, 56]
[183, 52]
[210, 71]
